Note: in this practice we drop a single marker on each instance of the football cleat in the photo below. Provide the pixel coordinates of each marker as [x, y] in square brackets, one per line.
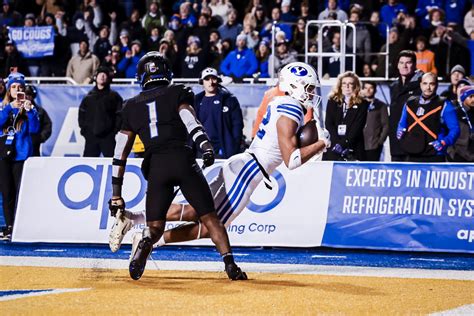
[235, 273]
[139, 257]
[120, 228]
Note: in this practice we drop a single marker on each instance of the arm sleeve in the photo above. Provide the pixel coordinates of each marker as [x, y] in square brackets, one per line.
[403, 119]
[33, 121]
[4, 114]
[451, 121]
[125, 123]
[330, 119]
[253, 64]
[82, 113]
[225, 65]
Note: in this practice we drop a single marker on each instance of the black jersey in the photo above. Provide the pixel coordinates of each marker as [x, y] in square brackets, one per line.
[153, 115]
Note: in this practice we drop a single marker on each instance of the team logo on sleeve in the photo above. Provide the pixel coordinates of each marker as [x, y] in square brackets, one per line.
[299, 71]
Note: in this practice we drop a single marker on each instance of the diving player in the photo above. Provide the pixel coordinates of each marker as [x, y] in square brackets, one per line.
[275, 142]
[163, 117]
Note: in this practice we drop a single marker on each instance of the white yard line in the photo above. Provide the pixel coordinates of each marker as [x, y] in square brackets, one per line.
[45, 292]
[462, 310]
[93, 263]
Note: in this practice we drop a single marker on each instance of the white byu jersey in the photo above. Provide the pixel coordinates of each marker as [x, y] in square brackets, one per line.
[265, 144]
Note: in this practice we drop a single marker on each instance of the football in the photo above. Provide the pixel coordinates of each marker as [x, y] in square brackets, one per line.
[308, 134]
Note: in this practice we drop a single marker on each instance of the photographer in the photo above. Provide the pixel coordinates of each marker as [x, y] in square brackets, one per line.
[18, 120]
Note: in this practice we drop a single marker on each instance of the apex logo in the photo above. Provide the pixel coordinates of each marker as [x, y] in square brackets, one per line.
[465, 234]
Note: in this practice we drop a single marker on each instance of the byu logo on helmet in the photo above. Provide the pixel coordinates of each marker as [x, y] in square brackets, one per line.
[151, 67]
[299, 71]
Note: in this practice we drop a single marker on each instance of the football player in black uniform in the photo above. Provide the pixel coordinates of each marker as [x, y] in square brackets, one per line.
[163, 117]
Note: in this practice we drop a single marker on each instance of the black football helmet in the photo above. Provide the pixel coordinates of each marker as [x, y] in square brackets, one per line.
[154, 67]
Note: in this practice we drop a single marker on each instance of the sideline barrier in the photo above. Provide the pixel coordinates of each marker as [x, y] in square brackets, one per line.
[403, 206]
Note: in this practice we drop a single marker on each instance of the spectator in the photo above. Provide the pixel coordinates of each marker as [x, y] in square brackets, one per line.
[154, 17]
[457, 73]
[231, 29]
[425, 59]
[214, 21]
[389, 12]
[333, 7]
[103, 44]
[220, 114]
[82, 66]
[454, 10]
[134, 27]
[463, 149]
[263, 54]
[332, 65]
[18, 118]
[286, 14]
[249, 31]
[45, 124]
[187, 18]
[363, 43]
[377, 32]
[128, 64]
[376, 126]
[99, 116]
[12, 59]
[75, 33]
[425, 9]
[266, 31]
[55, 65]
[3, 90]
[346, 113]
[469, 21]
[215, 49]
[283, 56]
[124, 41]
[112, 59]
[305, 13]
[153, 40]
[428, 124]
[195, 59]
[406, 85]
[221, 9]
[299, 36]
[9, 17]
[240, 62]
[203, 29]
[260, 17]
[167, 50]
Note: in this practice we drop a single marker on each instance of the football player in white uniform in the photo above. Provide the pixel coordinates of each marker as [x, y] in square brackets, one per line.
[275, 142]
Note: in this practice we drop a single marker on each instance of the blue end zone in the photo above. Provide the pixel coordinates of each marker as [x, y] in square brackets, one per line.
[311, 256]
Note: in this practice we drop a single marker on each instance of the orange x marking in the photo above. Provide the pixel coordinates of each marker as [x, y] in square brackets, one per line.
[421, 119]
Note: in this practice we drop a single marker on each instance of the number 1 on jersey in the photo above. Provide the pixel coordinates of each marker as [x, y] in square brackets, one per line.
[153, 119]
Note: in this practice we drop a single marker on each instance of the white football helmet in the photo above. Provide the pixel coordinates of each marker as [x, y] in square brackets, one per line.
[300, 81]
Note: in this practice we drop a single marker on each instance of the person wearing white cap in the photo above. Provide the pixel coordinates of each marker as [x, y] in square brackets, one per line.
[219, 112]
[456, 74]
[241, 62]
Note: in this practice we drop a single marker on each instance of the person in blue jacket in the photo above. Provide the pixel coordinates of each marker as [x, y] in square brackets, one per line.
[128, 64]
[219, 112]
[19, 118]
[241, 62]
[428, 124]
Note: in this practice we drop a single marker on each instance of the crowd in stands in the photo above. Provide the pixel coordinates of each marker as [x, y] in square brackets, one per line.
[235, 37]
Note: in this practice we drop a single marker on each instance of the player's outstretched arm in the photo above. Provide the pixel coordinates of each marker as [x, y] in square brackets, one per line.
[291, 154]
[197, 133]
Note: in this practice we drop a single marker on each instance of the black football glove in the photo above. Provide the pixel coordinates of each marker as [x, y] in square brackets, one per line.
[116, 204]
[208, 158]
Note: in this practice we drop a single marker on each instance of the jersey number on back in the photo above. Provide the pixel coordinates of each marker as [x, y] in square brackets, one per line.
[153, 115]
[265, 120]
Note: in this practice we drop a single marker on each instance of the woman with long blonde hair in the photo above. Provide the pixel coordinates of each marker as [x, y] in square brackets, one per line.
[346, 113]
[18, 119]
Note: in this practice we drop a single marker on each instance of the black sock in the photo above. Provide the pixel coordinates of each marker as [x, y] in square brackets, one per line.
[228, 258]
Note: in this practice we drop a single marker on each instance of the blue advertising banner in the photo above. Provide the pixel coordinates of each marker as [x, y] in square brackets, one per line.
[33, 42]
[423, 207]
